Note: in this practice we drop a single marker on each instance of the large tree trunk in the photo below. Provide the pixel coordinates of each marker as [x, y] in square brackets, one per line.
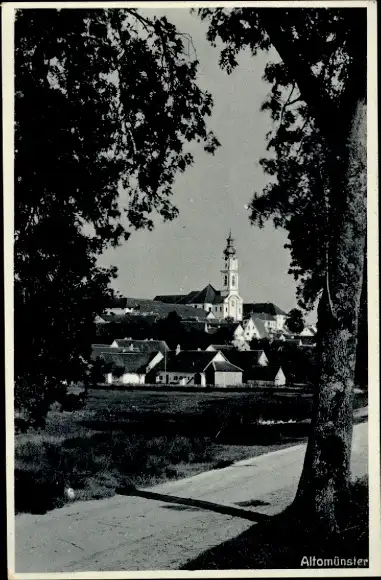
[321, 495]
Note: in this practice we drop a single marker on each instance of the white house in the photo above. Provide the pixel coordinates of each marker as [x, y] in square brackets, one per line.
[127, 368]
[254, 328]
[309, 330]
[270, 313]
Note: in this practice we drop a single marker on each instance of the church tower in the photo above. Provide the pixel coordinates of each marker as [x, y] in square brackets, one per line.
[229, 269]
[233, 303]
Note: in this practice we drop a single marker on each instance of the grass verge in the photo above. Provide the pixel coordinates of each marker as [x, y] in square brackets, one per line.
[143, 438]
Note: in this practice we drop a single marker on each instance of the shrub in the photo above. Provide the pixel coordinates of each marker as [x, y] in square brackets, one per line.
[98, 462]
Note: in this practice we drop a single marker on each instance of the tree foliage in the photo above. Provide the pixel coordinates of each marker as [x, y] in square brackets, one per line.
[322, 67]
[295, 320]
[106, 102]
[317, 192]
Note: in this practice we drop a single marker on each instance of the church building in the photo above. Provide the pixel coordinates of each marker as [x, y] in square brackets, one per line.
[224, 303]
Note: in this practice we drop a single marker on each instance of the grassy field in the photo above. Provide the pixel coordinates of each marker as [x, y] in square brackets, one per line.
[144, 437]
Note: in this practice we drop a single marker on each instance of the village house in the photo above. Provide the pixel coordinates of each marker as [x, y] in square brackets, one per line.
[254, 327]
[309, 330]
[273, 317]
[197, 367]
[129, 368]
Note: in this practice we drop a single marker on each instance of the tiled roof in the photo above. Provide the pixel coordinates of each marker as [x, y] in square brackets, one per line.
[207, 295]
[265, 316]
[246, 359]
[260, 326]
[225, 367]
[169, 298]
[187, 361]
[144, 346]
[262, 307]
[97, 350]
[132, 362]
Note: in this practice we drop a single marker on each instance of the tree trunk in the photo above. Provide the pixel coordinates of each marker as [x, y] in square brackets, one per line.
[321, 495]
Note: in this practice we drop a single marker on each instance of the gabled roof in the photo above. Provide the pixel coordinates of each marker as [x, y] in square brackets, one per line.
[225, 367]
[262, 307]
[187, 361]
[265, 316]
[206, 295]
[131, 362]
[245, 359]
[144, 346]
[260, 326]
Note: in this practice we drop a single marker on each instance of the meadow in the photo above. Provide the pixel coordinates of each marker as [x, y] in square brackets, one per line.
[143, 437]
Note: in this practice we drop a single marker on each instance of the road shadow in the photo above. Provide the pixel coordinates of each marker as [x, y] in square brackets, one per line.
[195, 503]
[279, 543]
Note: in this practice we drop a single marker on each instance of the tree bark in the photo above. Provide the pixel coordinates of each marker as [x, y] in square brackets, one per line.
[321, 496]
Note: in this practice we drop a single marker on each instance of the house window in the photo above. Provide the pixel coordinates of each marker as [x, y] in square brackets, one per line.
[175, 378]
[220, 308]
[210, 309]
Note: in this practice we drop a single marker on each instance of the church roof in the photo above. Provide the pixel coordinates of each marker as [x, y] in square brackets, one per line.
[208, 295]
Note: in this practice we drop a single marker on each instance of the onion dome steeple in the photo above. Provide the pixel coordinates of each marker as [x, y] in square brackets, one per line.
[230, 249]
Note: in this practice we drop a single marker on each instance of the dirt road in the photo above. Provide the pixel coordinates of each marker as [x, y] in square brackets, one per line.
[163, 527]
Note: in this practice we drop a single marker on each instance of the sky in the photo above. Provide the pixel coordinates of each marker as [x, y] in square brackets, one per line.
[212, 196]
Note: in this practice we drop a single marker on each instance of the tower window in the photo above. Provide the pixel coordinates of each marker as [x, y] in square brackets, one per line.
[233, 280]
[226, 281]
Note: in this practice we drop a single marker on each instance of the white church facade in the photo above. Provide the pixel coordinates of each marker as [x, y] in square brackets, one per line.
[223, 304]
